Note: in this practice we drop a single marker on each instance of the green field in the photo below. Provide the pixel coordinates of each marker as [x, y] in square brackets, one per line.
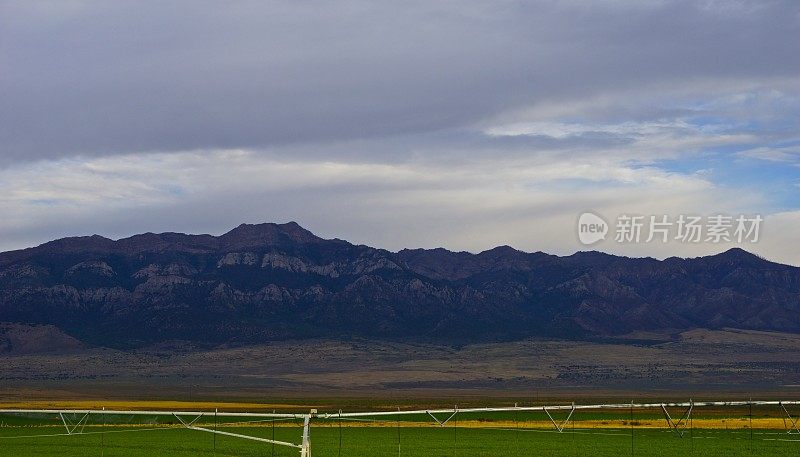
[37, 436]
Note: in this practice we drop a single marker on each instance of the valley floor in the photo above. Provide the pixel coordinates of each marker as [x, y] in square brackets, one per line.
[696, 364]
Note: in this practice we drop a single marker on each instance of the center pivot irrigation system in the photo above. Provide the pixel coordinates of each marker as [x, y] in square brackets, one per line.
[189, 419]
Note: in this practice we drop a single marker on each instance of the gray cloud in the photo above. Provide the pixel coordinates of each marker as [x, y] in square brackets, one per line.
[114, 77]
[459, 124]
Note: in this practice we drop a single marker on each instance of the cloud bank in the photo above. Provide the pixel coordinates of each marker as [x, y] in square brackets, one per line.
[456, 124]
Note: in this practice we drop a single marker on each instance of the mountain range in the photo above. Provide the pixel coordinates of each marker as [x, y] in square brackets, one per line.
[269, 282]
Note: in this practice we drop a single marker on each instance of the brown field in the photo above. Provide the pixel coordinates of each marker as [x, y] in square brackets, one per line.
[358, 375]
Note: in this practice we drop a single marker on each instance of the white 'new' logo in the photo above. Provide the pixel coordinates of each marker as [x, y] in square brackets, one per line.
[591, 228]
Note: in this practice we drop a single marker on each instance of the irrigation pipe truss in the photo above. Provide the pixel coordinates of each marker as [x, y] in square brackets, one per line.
[304, 446]
[314, 414]
[563, 408]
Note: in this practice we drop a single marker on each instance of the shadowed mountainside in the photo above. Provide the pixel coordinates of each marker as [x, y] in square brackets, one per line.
[269, 282]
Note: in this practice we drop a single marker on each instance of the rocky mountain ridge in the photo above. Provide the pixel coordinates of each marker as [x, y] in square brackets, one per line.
[269, 282]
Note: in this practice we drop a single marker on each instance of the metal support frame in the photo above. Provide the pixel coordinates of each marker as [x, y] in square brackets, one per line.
[440, 422]
[678, 427]
[790, 423]
[305, 446]
[191, 426]
[81, 423]
[560, 427]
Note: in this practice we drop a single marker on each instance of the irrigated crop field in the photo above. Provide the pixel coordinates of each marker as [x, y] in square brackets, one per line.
[715, 433]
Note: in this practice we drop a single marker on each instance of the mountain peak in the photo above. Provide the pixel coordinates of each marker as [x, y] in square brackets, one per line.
[80, 243]
[500, 250]
[739, 252]
[249, 235]
[738, 255]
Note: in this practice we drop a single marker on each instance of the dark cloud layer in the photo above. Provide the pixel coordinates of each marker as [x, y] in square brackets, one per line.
[461, 124]
[114, 77]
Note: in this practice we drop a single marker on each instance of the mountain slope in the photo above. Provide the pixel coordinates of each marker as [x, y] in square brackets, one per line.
[276, 281]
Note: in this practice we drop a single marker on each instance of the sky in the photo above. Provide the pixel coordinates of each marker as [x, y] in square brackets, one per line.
[463, 125]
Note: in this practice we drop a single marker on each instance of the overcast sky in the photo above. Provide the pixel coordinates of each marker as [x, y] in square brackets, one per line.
[400, 124]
